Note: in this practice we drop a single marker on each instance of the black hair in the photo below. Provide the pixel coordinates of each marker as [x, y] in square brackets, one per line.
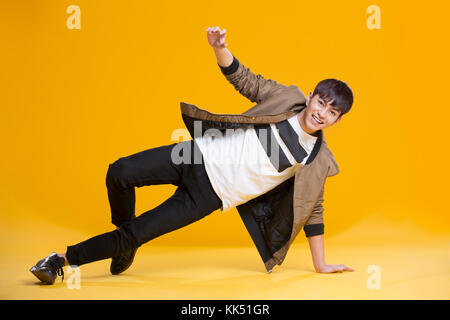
[338, 90]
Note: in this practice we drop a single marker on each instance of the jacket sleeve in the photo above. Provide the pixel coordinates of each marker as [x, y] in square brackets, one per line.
[314, 225]
[254, 87]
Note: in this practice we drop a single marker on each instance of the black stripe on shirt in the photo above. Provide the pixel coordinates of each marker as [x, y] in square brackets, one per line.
[269, 142]
[315, 149]
[290, 138]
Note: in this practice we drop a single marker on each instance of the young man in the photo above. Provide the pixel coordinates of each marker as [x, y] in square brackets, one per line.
[270, 162]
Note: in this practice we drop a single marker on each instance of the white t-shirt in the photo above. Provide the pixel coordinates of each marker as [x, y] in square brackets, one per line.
[239, 167]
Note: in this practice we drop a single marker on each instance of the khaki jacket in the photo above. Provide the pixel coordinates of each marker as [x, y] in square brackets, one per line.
[273, 219]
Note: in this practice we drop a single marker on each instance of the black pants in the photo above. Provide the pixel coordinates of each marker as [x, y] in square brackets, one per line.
[193, 199]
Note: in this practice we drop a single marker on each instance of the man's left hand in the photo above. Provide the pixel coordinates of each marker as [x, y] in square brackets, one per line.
[330, 268]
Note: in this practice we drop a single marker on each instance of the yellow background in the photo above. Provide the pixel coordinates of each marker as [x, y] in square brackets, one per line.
[73, 101]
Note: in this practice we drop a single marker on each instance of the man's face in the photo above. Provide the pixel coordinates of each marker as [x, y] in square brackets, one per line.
[318, 114]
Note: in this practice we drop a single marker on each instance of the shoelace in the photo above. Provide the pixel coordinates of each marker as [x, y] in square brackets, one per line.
[59, 270]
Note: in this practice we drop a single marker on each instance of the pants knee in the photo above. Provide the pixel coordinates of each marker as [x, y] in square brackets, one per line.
[117, 173]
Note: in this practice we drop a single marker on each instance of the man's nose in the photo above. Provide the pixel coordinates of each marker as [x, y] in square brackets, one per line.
[322, 113]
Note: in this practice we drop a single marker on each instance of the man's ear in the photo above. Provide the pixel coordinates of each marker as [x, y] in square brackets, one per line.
[308, 98]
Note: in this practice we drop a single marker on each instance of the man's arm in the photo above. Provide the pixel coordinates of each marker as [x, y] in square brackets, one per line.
[316, 244]
[314, 230]
[252, 86]
[216, 39]
[224, 57]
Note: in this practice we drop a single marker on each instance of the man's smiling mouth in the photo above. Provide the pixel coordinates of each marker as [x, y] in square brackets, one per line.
[317, 120]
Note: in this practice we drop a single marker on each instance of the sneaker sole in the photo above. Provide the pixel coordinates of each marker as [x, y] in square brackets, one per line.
[44, 276]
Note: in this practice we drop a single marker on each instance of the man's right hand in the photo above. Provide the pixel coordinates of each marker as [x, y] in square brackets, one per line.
[216, 37]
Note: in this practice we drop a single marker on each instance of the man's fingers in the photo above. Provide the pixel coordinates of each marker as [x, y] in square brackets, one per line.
[345, 268]
[332, 268]
[341, 268]
[212, 29]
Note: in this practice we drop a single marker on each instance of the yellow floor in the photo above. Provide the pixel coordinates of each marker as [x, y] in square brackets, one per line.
[409, 269]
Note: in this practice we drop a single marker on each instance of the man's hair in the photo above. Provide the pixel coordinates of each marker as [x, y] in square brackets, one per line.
[338, 90]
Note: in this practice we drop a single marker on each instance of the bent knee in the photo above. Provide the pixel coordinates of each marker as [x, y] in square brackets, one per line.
[118, 172]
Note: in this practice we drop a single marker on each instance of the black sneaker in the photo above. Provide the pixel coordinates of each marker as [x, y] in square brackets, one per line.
[122, 261]
[49, 268]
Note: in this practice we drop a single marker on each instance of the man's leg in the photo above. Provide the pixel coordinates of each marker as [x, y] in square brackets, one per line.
[182, 208]
[145, 168]
[193, 200]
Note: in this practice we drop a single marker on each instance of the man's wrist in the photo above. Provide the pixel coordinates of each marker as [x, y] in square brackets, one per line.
[231, 67]
[319, 266]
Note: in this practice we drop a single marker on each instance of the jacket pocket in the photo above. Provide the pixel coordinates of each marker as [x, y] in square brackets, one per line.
[274, 215]
[262, 211]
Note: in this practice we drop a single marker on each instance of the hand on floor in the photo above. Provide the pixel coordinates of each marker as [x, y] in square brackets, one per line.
[330, 268]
